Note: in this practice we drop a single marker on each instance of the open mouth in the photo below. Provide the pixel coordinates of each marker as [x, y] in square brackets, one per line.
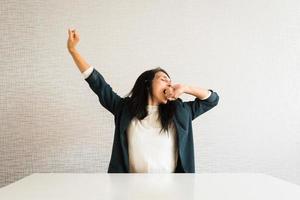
[165, 94]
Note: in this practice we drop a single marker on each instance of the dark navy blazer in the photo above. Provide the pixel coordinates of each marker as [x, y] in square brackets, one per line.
[118, 106]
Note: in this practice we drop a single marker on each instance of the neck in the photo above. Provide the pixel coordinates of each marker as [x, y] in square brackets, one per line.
[152, 102]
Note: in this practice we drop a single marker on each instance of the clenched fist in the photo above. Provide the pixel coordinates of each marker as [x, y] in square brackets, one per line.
[73, 39]
[174, 91]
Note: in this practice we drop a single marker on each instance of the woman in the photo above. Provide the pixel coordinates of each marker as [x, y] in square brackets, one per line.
[153, 126]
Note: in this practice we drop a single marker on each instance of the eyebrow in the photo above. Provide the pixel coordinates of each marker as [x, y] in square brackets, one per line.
[166, 77]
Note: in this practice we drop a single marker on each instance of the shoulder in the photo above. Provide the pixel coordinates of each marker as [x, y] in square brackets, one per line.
[181, 107]
[179, 103]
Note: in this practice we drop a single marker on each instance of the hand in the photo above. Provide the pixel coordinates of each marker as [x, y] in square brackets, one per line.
[174, 91]
[73, 39]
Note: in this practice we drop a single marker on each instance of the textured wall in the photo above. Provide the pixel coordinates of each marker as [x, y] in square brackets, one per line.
[247, 51]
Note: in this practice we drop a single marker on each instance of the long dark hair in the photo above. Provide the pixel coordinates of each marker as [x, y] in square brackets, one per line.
[139, 95]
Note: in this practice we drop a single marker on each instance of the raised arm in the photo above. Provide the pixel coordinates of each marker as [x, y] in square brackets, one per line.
[78, 59]
[107, 97]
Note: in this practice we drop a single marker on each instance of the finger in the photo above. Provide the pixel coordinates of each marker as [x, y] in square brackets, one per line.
[71, 34]
[168, 90]
[168, 95]
[76, 34]
[171, 93]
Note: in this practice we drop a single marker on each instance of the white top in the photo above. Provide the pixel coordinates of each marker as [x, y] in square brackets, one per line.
[149, 150]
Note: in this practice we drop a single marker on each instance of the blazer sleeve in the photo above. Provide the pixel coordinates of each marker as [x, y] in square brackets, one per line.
[198, 106]
[107, 97]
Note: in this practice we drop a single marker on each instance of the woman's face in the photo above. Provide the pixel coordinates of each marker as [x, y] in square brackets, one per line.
[160, 82]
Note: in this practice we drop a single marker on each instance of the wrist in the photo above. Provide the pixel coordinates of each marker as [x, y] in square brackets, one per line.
[72, 50]
[186, 89]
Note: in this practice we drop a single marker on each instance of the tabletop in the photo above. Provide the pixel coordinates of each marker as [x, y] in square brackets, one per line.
[155, 186]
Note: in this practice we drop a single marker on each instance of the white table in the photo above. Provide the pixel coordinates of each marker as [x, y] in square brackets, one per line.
[98, 186]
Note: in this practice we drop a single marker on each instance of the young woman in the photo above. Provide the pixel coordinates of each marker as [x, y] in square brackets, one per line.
[153, 126]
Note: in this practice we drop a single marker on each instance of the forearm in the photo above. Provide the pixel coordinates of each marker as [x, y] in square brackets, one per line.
[79, 60]
[198, 92]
